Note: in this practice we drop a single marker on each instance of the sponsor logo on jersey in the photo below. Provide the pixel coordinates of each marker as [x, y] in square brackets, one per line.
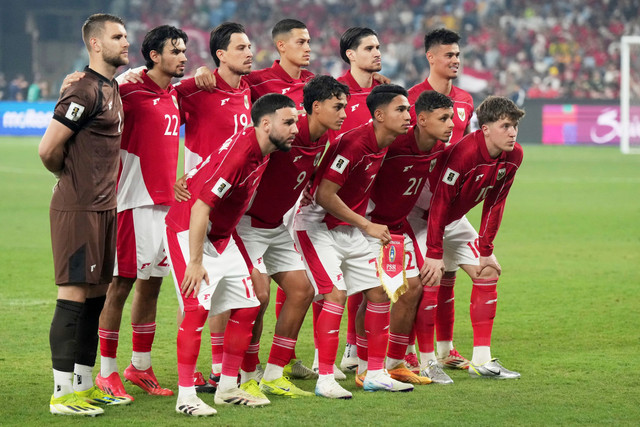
[450, 176]
[296, 158]
[224, 101]
[501, 173]
[246, 102]
[221, 188]
[432, 165]
[353, 107]
[339, 163]
[461, 113]
[74, 112]
[155, 101]
[406, 168]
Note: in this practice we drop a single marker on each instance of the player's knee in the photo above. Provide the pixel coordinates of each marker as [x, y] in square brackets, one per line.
[489, 273]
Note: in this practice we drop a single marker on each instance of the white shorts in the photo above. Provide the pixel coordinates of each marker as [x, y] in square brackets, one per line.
[410, 264]
[271, 250]
[139, 248]
[460, 243]
[340, 257]
[229, 285]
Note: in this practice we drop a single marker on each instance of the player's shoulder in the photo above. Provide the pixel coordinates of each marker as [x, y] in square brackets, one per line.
[461, 95]
[186, 86]
[306, 75]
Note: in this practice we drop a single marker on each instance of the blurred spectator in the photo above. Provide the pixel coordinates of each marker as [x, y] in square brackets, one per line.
[17, 88]
[3, 86]
[551, 49]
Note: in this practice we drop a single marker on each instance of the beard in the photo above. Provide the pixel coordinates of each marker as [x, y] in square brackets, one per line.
[279, 144]
[239, 71]
[373, 68]
[115, 60]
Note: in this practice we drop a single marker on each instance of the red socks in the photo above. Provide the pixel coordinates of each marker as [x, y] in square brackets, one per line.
[484, 299]
[237, 337]
[426, 318]
[376, 324]
[281, 350]
[445, 313]
[108, 343]
[353, 303]
[188, 343]
[142, 338]
[328, 337]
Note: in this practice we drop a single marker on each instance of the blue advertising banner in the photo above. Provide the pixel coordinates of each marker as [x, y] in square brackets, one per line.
[25, 118]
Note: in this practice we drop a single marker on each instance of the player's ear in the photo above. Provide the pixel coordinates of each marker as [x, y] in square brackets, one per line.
[378, 114]
[220, 54]
[422, 119]
[351, 54]
[155, 56]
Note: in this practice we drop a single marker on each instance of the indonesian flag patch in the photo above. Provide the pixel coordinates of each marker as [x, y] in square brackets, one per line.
[391, 267]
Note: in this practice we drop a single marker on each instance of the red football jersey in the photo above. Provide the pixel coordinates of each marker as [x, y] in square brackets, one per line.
[276, 80]
[211, 118]
[470, 176]
[462, 107]
[226, 181]
[149, 146]
[354, 165]
[403, 173]
[357, 111]
[286, 175]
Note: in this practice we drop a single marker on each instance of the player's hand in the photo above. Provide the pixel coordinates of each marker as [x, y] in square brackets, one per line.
[378, 231]
[489, 262]
[180, 189]
[205, 79]
[381, 79]
[133, 75]
[194, 274]
[431, 271]
[70, 79]
[306, 198]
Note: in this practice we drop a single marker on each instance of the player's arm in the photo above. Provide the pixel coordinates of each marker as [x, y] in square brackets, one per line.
[205, 79]
[327, 197]
[492, 210]
[51, 147]
[441, 203]
[195, 271]
[383, 80]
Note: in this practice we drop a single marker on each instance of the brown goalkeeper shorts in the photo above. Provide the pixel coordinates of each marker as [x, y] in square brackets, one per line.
[84, 246]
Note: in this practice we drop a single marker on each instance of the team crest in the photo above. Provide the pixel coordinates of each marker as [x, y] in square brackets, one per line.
[392, 254]
[432, 165]
[501, 173]
[450, 176]
[221, 188]
[461, 113]
[74, 112]
[175, 101]
[246, 102]
[339, 164]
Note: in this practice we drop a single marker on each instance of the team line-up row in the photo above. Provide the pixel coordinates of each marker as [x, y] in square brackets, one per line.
[348, 193]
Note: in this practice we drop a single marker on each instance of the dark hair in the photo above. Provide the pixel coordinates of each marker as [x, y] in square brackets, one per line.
[383, 95]
[430, 100]
[440, 36]
[286, 25]
[495, 108]
[351, 39]
[156, 39]
[94, 25]
[269, 104]
[321, 88]
[221, 36]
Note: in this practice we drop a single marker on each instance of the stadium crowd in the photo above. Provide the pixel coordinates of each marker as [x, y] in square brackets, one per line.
[541, 49]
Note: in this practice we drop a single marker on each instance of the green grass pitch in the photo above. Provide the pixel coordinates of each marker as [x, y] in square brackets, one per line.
[568, 313]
